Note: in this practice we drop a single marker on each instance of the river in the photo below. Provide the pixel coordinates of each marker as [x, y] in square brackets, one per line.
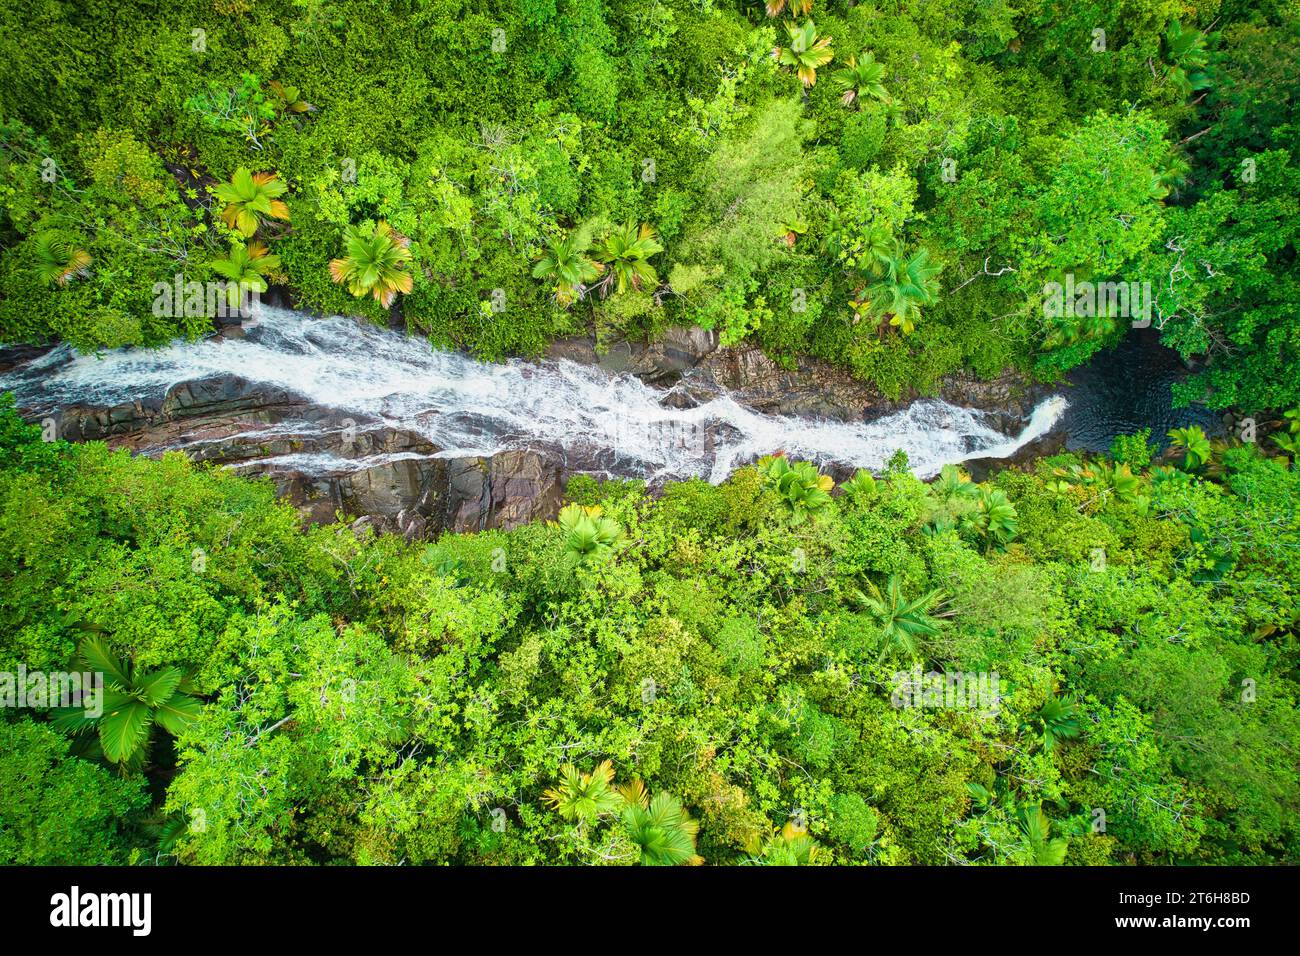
[597, 422]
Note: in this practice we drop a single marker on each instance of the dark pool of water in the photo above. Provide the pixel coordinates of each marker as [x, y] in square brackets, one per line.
[1128, 388]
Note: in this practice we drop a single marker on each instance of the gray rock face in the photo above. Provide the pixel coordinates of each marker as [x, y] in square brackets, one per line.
[504, 491]
[385, 478]
[809, 388]
[696, 368]
[660, 363]
[327, 463]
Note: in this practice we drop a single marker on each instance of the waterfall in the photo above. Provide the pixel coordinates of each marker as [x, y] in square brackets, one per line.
[598, 422]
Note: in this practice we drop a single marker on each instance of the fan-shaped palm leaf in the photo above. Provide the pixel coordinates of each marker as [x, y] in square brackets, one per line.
[807, 52]
[861, 79]
[589, 537]
[566, 262]
[625, 251]
[374, 262]
[660, 827]
[251, 198]
[907, 284]
[128, 705]
[58, 258]
[904, 623]
[584, 797]
[246, 268]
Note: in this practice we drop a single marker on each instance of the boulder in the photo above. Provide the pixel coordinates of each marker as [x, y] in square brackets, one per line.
[504, 491]
[809, 387]
[659, 363]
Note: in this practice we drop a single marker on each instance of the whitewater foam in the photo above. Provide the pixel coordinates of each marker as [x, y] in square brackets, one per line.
[469, 407]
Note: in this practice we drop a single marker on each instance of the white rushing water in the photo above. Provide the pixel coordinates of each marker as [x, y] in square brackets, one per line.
[466, 407]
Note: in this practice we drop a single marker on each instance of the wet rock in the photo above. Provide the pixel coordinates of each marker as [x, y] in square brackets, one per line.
[691, 363]
[12, 356]
[509, 489]
[660, 363]
[1024, 459]
[317, 499]
[679, 350]
[388, 488]
[1008, 400]
[224, 395]
[809, 387]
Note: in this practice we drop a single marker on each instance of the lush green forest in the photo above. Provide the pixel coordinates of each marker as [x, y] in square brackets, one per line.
[886, 185]
[714, 674]
[1088, 661]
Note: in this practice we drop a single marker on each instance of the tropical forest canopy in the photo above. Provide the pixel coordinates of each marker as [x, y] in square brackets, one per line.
[886, 185]
[723, 674]
[1090, 661]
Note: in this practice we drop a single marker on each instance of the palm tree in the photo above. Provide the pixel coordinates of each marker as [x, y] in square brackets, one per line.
[1289, 441]
[373, 263]
[907, 284]
[1037, 828]
[797, 7]
[903, 623]
[625, 251]
[1057, 720]
[585, 797]
[868, 255]
[789, 846]
[250, 198]
[1102, 478]
[131, 703]
[661, 827]
[1191, 56]
[994, 518]
[58, 259]
[1170, 176]
[566, 261]
[246, 268]
[861, 79]
[807, 51]
[1196, 447]
[954, 483]
[588, 537]
[861, 487]
[803, 490]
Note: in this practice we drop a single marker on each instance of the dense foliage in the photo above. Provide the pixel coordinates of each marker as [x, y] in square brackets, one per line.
[717, 675]
[885, 187]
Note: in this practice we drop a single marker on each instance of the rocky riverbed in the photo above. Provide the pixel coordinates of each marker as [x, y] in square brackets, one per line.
[463, 457]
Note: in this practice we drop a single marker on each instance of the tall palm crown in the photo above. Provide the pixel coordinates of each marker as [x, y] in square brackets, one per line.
[246, 268]
[132, 703]
[1193, 443]
[789, 846]
[803, 490]
[903, 622]
[250, 198]
[584, 797]
[374, 262]
[589, 537]
[566, 261]
[807, 51]
[907, 284]
[1057, 720]
[626, 250]
[861, 79]
[660, 827]
[994, 517]
[58, 259]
